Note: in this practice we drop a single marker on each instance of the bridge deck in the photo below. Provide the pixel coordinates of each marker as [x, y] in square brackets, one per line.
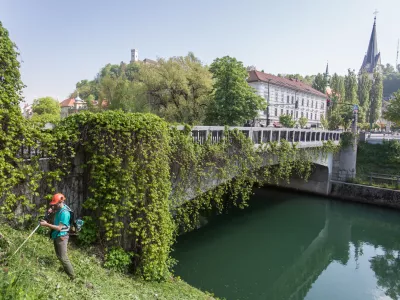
[305, 137]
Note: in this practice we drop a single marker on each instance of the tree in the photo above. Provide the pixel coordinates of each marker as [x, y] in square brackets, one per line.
[364, 87]
[12, 124]
[337, 96]
[287, 121]
[123, 94]
[324, 122]
[234, 101]
[309, 79]
[337, 88]
[335, 120]
[46, 105]
[85, 88]
[376, 98]
[392, 112]
[351, 88]
[11, 120]
[387, 69]
[391, 83]
[178, 89]
[303, 122]
[45, 110]
[320, 83]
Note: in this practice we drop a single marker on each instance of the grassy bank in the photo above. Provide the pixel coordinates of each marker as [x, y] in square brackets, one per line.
[378, 158]
[34, 273]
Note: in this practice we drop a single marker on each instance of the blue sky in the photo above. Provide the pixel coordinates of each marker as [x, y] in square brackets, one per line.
[62, 42]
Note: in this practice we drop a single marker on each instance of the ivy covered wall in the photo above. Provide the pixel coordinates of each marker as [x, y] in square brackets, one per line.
[129, 176]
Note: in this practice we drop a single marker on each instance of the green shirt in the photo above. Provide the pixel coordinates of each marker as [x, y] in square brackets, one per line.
[62, 216]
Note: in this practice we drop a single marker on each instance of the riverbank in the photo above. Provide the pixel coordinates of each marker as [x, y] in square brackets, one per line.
[34, 274]
[365, 194]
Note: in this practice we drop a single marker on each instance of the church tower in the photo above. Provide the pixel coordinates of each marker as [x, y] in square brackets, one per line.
[327, 77]
[372, 60]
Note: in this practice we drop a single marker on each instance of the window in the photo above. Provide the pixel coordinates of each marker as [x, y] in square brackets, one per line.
[322, 105]
[283, 98]
[311, 116]
[307, 102]
[302, 102]
[297, 114]
[276, 111]
[291, 113]
[307, 115]
[288, 99]
[292, 99]
[287, 112]
[302, 115]
[281, 111]
[312, 103]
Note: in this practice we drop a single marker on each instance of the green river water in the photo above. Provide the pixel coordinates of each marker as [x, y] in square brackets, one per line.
[289, 245]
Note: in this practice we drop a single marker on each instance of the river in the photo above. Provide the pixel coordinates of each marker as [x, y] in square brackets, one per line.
[288, 245]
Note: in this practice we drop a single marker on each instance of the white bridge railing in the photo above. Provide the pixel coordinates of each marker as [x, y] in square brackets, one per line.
[305, 137]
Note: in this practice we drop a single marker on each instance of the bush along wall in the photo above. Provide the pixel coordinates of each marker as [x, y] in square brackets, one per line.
[138, 171]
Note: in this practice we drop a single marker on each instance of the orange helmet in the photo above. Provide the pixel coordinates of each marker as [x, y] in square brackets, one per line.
[57, 198]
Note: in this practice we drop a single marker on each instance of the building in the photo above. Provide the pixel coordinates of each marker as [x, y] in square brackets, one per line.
[71, 106]
[372, 59]
[134, 55]
[135, 58]
[281, 94]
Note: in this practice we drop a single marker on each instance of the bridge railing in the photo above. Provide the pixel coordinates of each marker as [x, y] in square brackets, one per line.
[260, 135]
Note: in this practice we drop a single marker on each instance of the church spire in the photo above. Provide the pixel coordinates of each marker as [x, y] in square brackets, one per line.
[327, 77]
[373, 58]
[327, 71]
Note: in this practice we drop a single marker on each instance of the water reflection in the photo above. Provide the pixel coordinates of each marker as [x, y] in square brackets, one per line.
[387, 270]
[288, 246]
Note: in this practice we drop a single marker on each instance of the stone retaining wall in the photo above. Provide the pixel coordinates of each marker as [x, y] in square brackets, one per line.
[365, 194]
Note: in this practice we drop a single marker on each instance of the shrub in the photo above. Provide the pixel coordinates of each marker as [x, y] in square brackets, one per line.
[118, 260]
[89, 233]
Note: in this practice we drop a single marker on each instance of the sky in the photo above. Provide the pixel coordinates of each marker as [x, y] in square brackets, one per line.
[63, 42]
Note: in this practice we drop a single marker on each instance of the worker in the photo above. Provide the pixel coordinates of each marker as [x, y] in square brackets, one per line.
[60, 230]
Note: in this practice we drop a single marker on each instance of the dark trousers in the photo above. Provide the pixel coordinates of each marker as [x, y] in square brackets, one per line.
[60, 246]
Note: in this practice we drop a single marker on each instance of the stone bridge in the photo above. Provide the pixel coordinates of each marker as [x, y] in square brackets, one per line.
[324, 165]
[74, 188]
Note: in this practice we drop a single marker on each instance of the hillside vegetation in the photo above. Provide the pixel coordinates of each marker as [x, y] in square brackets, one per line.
[35, 273]
[378, 158]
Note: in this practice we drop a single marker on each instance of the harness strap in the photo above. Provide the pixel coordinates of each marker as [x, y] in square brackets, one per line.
[65, 228]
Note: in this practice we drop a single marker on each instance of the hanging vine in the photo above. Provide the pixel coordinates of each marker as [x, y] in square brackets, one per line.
[146, 180]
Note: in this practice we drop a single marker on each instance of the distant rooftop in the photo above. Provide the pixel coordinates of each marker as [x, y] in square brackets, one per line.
[68, 102]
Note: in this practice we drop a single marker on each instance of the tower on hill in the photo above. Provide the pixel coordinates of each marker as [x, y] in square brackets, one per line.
[134, 55]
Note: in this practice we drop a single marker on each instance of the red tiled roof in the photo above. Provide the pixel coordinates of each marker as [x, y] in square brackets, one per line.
[68, 102]
[294, 84]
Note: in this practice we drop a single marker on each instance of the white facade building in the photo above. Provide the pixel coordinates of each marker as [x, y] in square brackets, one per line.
[281, 95]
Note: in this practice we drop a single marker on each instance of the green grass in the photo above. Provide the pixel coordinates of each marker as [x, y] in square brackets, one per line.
[34, 273]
